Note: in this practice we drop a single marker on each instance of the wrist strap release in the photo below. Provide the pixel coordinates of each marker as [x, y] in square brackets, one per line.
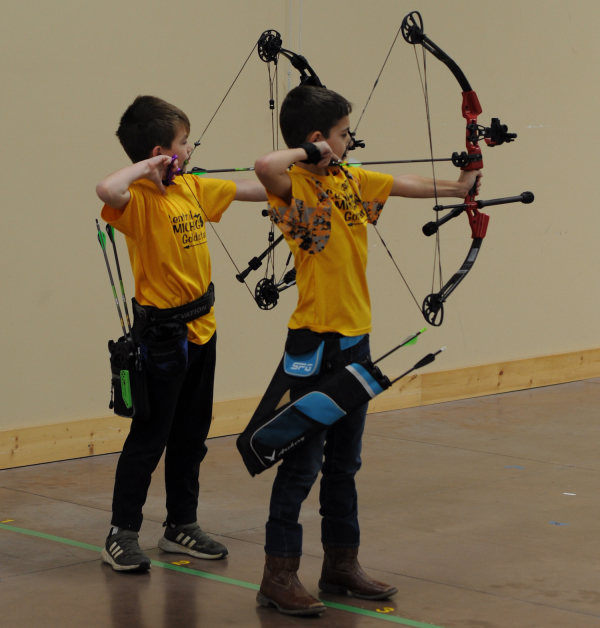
[313, 154]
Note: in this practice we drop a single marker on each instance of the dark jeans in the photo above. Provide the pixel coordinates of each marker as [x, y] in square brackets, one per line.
[340, 446]
[180, 417]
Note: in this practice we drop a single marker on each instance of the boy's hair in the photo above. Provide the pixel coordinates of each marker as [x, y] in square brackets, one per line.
[148, 122]
[306, 109]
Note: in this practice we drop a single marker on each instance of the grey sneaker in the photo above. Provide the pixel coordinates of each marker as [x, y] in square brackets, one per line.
[122, 552]
[190, 539]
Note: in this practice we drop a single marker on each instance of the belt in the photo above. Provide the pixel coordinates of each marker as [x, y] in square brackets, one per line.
[185, 313]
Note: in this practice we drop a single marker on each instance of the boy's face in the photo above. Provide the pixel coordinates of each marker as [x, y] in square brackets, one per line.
[180, 147]
[339, 137]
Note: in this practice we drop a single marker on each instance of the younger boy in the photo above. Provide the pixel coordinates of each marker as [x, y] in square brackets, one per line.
[323, 212]
[164, 226]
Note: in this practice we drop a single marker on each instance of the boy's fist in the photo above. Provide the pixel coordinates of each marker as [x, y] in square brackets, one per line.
[468, 179]
[327, 154]
[157, 170]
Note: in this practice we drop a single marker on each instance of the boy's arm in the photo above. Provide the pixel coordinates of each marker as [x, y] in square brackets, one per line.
[272, 169]
[413, 186]
[114, 189]
[250, 191]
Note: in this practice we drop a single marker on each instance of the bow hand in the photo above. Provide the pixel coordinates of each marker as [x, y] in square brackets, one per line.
[469, 183]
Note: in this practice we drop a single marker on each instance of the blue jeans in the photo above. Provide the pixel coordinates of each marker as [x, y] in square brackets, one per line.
[335, 452]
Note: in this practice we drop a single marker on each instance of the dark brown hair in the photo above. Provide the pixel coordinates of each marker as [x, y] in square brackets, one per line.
[306, 109]
[148, 122]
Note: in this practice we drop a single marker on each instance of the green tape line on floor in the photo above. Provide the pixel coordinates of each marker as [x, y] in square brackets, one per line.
[209, 576]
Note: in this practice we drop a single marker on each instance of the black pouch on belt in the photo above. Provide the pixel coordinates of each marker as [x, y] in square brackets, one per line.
[162, 334]
[164, 347]
[129, 391]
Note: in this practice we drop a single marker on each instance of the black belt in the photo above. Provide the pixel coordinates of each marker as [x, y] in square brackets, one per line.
[186, 313]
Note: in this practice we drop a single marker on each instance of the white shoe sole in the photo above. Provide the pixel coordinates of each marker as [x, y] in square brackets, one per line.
[107, 558]
[175, 548]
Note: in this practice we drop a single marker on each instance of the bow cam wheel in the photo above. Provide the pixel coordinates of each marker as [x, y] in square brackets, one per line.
[433, 310]
[412, 28]
[269, 46]
[266, 294]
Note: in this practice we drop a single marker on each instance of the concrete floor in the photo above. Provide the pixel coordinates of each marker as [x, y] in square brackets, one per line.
[484, 513]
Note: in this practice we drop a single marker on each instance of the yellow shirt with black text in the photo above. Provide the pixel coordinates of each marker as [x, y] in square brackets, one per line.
[325, 226]
[166, 239]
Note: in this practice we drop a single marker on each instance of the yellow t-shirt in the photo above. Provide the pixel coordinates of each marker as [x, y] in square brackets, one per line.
[166, 238]
[325, 226]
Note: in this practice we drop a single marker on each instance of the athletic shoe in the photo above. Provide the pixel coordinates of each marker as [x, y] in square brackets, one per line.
[190, 539]
[122, 552]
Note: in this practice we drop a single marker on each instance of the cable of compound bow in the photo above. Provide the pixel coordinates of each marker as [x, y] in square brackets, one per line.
[268, 289]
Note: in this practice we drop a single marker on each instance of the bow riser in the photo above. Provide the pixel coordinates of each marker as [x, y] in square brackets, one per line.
[477, 220]
[471, 109]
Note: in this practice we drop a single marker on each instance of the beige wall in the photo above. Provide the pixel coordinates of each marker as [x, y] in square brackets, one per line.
[69, 69]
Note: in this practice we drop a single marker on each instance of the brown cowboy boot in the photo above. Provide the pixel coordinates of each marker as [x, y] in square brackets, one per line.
[281, 588]
[342, 574]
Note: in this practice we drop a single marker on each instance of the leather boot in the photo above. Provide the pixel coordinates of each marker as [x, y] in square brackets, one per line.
[342, 574]
[281, 588]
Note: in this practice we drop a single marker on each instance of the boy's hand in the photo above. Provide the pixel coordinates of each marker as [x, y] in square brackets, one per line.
[157, 170]
[467, 179]
[326, 154]
[114, 189]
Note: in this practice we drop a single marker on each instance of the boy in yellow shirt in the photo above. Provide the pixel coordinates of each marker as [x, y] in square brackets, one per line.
[323, 212]
[163, 220]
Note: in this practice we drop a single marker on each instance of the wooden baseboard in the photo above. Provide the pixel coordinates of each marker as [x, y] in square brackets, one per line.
[92, 437]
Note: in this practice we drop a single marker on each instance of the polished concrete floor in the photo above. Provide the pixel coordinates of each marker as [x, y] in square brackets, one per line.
[484, 513]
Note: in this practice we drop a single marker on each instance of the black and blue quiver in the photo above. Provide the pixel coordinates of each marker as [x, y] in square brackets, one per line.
[268, 438]
[305, 411]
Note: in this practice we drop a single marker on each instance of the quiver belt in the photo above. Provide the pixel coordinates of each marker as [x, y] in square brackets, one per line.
[162, 334]
[146, 314]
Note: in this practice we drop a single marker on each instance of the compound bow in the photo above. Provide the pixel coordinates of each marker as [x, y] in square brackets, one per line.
[494, 135]
[270, 48]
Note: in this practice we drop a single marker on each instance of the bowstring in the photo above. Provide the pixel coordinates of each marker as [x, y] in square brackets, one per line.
[377, 79]
[437, 258]
[385, 246]
[207, 220]
[196, 144]
[396, 265]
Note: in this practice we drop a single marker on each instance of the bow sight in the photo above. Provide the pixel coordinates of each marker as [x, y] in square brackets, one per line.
[494, 135]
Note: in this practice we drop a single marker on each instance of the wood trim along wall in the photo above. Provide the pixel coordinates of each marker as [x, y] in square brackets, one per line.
[92, 437]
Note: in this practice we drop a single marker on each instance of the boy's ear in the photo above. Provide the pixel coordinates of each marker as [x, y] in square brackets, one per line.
[315, 136]
[156, 151]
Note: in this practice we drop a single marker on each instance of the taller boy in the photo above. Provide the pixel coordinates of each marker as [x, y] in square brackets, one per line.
[166, 236]
[323, 212]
